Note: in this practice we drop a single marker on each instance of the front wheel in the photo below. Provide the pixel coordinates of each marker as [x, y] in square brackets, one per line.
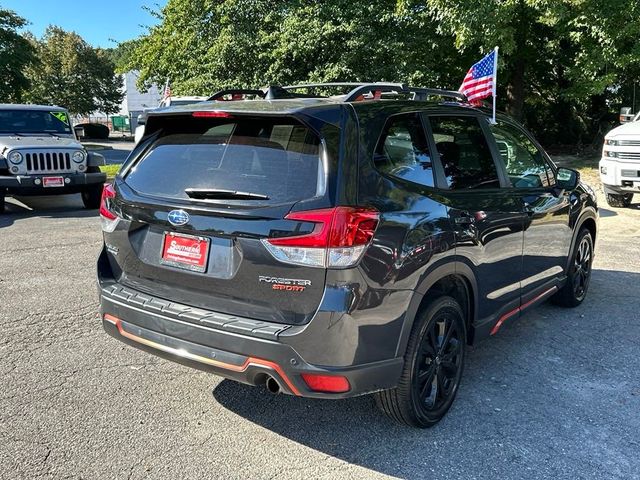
[619, 200]
[575, 289]
[433, 367]
[91, 196]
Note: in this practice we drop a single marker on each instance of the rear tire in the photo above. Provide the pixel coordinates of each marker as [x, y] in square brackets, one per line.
[91, 196]
[432, 369]
[619, 200]
[575, 289]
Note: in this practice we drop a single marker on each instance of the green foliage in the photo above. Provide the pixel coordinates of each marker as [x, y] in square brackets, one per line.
[15, 54]
[72, 74]
[565, 65]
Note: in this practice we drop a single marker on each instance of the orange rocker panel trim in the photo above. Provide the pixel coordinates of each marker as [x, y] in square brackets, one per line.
[209, 361]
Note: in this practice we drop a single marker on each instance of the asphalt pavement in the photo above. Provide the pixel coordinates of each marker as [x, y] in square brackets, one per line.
[114, 150]
[556, 394]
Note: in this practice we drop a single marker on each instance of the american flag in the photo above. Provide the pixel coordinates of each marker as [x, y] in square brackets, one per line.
[167, 91]
[480, 81]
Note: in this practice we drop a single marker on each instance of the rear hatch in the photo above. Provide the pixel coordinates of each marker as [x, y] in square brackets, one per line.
[201, 196]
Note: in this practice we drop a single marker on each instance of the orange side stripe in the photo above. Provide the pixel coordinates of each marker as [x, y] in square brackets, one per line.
[209, 361]
[510, 314]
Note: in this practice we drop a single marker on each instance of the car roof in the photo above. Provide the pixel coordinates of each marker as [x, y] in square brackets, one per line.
[28, 106]
[298, 105]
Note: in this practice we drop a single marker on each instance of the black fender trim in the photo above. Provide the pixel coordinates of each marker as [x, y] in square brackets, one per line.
[457, 268]
[589, 213]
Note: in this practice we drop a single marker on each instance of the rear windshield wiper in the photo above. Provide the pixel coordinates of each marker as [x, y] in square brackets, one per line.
[214, 193]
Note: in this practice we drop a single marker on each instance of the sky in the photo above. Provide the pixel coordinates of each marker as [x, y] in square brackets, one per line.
[95, 21]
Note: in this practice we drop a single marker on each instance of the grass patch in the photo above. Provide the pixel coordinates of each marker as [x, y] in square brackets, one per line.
[110, 170]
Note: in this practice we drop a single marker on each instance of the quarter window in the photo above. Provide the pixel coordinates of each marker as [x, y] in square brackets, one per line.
[524, 162]
[403, 152]
[464, 153]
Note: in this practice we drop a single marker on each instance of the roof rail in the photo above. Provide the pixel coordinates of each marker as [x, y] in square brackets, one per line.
[356, 92]
[378, 88]
[234, 92]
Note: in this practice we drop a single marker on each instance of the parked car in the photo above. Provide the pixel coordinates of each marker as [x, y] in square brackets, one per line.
[333, 247]
[41, 155]
[620, 162]
[165, 103]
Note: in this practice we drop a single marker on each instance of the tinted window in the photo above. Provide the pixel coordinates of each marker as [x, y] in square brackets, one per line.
[524, 163]
[34, 121]
[464, 153]
[279, 159]
[403, 152]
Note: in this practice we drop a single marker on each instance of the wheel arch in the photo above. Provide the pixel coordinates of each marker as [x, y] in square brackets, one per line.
[588, 219]
[456, 279]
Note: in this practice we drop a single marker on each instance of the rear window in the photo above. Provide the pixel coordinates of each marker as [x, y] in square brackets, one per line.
[277, 160]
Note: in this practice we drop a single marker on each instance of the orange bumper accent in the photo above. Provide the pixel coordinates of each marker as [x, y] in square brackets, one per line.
[209, 361]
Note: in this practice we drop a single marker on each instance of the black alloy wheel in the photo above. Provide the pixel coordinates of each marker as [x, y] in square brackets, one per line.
[433, 367]
[581, 273]
[575, 289]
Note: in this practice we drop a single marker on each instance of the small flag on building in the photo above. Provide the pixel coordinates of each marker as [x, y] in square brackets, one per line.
[481, 80]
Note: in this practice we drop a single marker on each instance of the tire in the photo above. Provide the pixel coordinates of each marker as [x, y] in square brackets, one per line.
[575, 289]
[619, 200]
[417, 400]
[92, 196]
[2, 202]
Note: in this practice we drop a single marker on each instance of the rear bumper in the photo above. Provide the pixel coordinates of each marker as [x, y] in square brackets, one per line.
[243, 350]
[27, 184]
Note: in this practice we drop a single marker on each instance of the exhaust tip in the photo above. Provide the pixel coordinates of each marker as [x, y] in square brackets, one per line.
[272, 385]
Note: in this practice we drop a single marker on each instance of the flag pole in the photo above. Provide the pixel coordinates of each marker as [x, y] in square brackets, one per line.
[495, 84]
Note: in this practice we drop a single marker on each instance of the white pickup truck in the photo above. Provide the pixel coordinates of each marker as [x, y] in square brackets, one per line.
[620, 162]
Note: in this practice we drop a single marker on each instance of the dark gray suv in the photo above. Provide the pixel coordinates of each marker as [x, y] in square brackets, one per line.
[335, 245]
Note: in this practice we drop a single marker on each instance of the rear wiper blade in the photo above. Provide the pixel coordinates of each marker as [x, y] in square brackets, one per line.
[213, 193]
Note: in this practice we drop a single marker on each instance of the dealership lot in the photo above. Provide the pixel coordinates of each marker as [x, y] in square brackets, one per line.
[554, 394]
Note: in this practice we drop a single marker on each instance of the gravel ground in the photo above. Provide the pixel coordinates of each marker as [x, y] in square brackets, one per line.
[555, 395]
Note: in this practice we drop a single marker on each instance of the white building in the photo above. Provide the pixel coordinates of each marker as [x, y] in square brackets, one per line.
[134, 101]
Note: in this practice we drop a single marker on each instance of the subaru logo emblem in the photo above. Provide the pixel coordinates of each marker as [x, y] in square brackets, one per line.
[178, 217]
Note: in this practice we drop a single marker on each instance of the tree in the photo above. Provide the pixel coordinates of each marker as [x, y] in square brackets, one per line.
[16, 52]
[203, 45]
[565, 65]
[74, 75]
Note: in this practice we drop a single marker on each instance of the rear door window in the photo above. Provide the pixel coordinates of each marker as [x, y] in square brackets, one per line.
[278, 160]
[464, 152]
[403, 150]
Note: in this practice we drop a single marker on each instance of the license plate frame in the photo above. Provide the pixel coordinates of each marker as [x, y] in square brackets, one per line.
[52, 182]
[179, 251]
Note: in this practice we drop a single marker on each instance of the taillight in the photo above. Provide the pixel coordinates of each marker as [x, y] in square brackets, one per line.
[108, 218]
[326, 383]
[339, 239]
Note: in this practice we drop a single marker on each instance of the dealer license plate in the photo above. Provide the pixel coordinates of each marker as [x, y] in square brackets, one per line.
[53, 182]
[185, 251]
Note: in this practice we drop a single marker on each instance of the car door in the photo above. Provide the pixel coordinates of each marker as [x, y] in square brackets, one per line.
[488, 218]
[547, 232]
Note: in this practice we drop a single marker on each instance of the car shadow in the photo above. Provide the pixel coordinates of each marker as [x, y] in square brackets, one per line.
[516, 387]
[52, 206]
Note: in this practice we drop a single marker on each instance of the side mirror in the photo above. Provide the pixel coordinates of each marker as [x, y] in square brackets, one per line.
[142, 119]
[626, 115]
[567, 178]
[79, 131]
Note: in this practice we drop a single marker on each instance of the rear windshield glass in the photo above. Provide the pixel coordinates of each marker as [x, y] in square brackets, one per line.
[274, 160]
